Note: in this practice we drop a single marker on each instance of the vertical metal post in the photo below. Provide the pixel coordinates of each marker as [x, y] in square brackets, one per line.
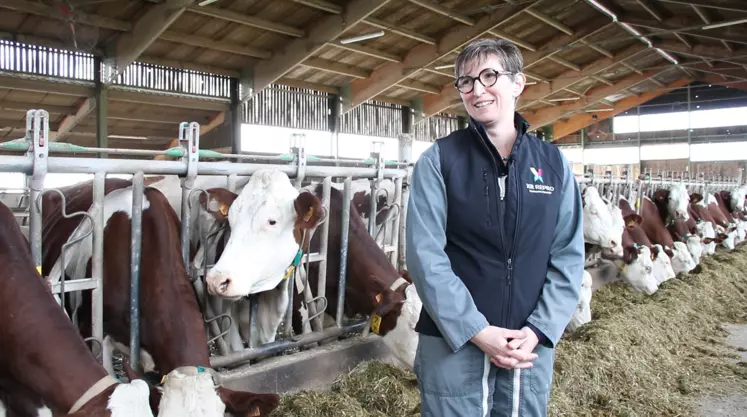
[135, 246]
[394, 255]
[321, 290]
[102, 107]
[97, 261]
[189, 136]
[237, 110]
[37, 127]
[689, 138]
[346, 196]
[402, 250]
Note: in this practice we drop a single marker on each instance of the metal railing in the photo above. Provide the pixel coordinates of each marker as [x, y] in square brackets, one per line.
[36, 159]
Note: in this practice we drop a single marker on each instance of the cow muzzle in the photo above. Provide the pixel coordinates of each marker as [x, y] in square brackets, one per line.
[218, 284]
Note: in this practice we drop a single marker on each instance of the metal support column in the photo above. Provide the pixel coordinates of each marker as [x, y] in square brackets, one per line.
[334, 123]
[102, 107]
[237, 110]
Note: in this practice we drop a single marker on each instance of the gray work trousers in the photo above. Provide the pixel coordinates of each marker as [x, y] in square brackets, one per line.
[467, 384]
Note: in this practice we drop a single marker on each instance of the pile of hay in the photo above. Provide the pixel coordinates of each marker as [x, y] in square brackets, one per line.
[640, 355]
[652, 356]
[371, 389]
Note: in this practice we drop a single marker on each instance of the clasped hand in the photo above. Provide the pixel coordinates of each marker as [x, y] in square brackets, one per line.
[516, 354]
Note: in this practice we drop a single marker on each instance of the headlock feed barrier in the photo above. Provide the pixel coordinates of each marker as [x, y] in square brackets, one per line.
[633, 189]
[36, 160]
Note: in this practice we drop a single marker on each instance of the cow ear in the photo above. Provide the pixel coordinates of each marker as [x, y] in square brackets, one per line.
[308, 209]
[630, 255]
[633, 220]
[696, 198]
[219, 203]
[389, 301]
[707, 240]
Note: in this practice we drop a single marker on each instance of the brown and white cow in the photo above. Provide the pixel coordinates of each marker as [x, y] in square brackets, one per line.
[662, 264]
[373, 285]
[676, 225]
[45, 367]
[657, 233]
[172, 328]
[708, 210]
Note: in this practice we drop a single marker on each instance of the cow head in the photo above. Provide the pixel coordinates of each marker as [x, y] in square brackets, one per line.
[266, 219]
[663, 270]
[582, 314]
[603, 225]
[728, 237]
[677, 200]
[638, 269]
[402, 340]
[682, 260]
[705, 229]
[696, 198]
[737, 198]
[694, 246]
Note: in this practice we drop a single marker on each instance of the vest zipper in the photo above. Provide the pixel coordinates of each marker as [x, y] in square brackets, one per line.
[500, 216]
[488, 221]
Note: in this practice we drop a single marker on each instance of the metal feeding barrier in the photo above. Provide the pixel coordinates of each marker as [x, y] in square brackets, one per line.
[37, 160]
[634, 189]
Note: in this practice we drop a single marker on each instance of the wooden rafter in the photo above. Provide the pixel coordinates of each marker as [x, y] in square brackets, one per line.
[423, 56]
[325, 30]
[580, 121]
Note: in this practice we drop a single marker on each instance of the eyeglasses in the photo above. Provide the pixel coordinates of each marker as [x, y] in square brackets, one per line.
[488, 77]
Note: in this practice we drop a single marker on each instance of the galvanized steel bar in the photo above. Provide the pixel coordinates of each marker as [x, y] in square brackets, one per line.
[279, 346]
[189, 137]
[37, 127]
[402, 241]
[97, 258]
[73, 165]
[135, 252]
[321, 290]
[394, 255]
[346, 196]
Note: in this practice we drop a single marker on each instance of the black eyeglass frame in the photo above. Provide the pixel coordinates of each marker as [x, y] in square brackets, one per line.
[479, 78]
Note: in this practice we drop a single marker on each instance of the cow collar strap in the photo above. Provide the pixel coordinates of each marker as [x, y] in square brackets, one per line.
[374, 320]
[194, 370]
[95, 389]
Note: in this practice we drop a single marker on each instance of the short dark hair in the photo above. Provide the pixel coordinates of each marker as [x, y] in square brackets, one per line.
[480, 49]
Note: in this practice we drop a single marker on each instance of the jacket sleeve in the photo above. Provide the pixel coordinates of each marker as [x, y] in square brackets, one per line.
[445, 297]
[562, 288]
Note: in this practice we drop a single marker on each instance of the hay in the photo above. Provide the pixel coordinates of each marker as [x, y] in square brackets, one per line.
[653, 356]
[640, 355]
[371, 389]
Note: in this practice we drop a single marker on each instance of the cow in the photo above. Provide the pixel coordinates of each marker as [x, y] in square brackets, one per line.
[603, 224]
[45, 366]
[662, 264]
[729, 202]
[582, 314]
[171, 329]
[656, 231]
[675, 201]
[707, 210]
[265, 220]
[373, 285]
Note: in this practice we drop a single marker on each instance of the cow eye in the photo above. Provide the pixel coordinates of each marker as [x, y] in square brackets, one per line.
[272, 222]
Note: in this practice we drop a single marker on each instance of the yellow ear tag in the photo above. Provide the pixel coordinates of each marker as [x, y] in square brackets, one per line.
[163, 379]
[223, 210]
[308, 214]
[39, 269]
[631, 223]
[378, 298]
[375, 323]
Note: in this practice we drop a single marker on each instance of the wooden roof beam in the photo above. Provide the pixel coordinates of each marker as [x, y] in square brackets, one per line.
[550, 21]
[246, 20]
[727, 5]
[545, 116]
[298, 50]
[423, 56]
[705, 51]
[70, 121]
[713, 79]
[149, 27]
[580, 121]
[569, 78]
[435, 103]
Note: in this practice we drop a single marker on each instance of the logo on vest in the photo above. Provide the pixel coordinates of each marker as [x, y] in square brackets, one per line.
[539, 183]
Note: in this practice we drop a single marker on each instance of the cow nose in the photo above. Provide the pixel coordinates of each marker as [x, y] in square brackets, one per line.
[218, 284]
